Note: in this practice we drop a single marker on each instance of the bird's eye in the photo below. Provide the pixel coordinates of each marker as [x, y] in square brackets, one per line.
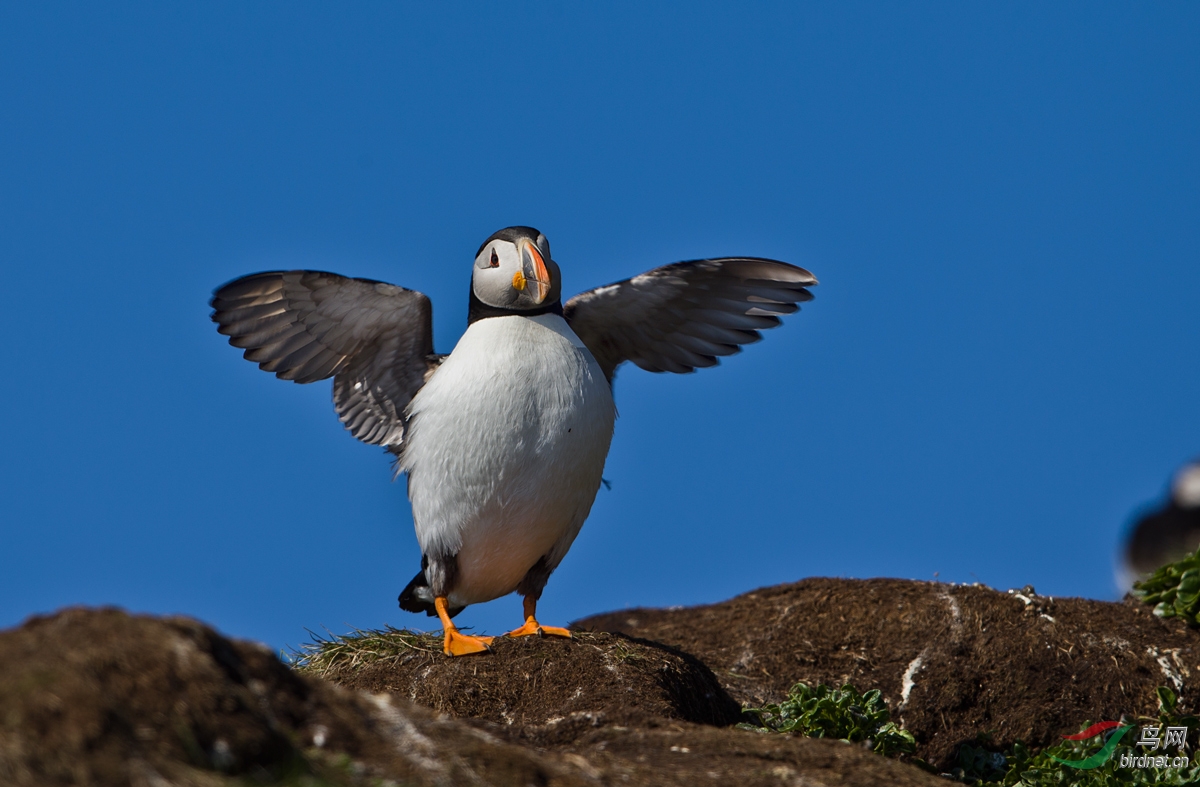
[495, 260]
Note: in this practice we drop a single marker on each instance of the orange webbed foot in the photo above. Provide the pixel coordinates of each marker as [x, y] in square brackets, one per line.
[533, 628]
[459, 644]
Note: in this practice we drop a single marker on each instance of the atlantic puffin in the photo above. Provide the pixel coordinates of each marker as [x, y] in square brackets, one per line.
[504, 439]
[1166, 533]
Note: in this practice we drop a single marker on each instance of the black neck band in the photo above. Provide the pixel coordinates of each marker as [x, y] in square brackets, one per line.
[478, 310]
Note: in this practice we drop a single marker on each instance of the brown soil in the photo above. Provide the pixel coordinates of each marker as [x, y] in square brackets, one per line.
[684, 755]
[980, 661]
[99, 697]
[530, 682]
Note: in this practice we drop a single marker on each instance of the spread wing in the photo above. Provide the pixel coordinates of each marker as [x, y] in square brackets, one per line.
[374, 339]
[683, 316]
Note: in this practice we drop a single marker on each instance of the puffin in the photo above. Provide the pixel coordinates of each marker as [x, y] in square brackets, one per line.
[1166, 533]
[503, 440]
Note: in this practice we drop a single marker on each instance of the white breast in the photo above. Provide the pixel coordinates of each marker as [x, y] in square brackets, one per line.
[505, 450]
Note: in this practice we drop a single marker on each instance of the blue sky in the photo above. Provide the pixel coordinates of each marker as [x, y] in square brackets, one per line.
[1000, 366]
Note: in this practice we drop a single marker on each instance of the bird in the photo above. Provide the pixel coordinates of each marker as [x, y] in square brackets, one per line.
[1165, 533]
[503, 440]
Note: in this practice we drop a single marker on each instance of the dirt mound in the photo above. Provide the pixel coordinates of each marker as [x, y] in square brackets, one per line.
[687, 755]
[952, 661]
[100, 697]
[532, 681]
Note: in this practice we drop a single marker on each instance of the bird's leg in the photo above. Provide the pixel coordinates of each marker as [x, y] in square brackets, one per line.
[458, 644]
[532, 627]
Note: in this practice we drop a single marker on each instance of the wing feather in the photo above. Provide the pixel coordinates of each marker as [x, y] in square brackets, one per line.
[374, 339]
[685, 316]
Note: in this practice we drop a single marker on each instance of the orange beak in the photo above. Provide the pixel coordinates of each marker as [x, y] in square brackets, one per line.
[535, 268]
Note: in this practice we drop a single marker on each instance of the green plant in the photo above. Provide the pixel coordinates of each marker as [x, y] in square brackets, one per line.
[823, 712]
[1174, 589]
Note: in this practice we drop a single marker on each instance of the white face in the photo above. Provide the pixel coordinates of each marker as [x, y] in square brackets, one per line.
[517, 275]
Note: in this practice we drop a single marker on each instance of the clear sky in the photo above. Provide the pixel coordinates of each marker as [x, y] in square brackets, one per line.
[1001, 364]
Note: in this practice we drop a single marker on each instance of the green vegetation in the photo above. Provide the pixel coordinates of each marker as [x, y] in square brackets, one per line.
[1019, 767]
[823, 712]
[843, 713]
[1174, 589]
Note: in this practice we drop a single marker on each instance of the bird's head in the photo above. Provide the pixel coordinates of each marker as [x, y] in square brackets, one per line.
[514, 273]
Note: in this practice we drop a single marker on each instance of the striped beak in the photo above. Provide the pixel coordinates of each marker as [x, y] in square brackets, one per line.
[533, 268]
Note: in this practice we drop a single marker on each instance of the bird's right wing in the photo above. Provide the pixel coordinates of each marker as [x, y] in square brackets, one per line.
[374, 339]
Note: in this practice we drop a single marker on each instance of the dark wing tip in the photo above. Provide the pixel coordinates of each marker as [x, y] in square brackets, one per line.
[765, 269]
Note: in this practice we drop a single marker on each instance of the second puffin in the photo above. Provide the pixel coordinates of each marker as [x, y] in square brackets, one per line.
[504, 439]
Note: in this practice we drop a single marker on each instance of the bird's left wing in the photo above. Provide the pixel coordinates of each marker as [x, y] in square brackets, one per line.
[374, 339]
[683, 316]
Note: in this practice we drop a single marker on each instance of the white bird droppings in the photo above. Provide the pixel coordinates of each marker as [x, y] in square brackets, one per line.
[907, 683]
[1164, 664]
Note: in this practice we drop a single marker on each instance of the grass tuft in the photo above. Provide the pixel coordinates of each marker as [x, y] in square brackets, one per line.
[334, 653]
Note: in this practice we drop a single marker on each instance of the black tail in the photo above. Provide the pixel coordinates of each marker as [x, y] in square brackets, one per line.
[417, 598]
